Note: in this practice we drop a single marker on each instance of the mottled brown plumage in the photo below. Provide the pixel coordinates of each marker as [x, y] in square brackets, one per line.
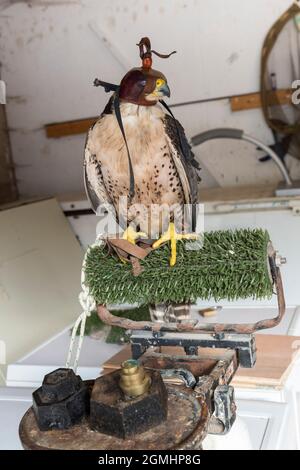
[164, 172]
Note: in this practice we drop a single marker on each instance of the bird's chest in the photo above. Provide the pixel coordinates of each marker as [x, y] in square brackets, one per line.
[156, 178]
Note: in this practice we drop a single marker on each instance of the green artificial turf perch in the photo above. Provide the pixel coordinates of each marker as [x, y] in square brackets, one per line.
[230, 265]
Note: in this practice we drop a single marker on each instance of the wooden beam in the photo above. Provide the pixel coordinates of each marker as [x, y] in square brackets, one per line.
[253, 100]
[237, 193]
[63, 129]
[238, 103]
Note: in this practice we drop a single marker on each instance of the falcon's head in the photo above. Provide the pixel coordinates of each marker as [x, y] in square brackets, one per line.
[144, 86]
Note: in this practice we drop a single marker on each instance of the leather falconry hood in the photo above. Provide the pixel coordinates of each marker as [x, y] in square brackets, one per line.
[140, 81]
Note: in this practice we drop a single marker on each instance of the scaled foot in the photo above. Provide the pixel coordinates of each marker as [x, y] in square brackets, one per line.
[172, 236]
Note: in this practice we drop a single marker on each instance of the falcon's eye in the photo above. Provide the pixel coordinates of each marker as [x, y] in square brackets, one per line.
[160, 82]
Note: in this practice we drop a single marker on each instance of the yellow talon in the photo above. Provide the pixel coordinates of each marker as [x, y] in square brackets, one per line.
[131, 235]
[172, 236]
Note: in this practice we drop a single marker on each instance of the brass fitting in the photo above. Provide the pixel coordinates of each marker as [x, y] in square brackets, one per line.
[134, 380]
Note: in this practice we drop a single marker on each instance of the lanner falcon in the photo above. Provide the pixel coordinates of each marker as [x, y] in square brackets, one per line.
[139, 151]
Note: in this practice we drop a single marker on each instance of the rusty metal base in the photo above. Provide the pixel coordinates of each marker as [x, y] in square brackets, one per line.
[185, 428]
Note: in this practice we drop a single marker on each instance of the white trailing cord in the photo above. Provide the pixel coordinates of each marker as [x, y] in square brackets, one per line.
[88, 304]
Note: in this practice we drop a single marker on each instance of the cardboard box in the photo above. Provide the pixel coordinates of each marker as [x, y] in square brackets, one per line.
[40, 265]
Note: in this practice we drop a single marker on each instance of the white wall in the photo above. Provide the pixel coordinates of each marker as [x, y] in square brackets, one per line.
[51, 54]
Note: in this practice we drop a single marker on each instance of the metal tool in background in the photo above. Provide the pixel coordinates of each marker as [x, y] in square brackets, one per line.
[286, 188]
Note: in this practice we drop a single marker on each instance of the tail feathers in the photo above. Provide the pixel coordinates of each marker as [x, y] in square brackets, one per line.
[170, 313]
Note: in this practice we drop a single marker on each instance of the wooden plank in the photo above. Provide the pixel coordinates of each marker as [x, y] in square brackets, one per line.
[63, 129]
[253, 100]
[237, 193]
[276, 355]
[238, 103]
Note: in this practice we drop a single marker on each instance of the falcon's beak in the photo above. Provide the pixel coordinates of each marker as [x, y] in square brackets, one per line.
[165, 90]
